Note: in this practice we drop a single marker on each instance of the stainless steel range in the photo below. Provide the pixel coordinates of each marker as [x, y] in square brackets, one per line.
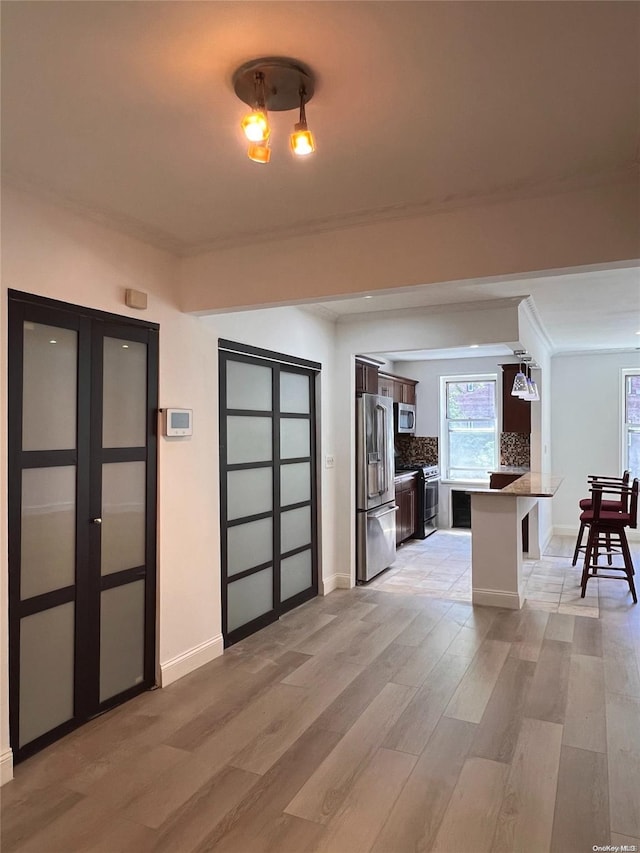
[428, 496]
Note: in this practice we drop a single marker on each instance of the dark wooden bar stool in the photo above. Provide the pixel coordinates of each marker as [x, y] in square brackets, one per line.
[607, 527]
[607, 505]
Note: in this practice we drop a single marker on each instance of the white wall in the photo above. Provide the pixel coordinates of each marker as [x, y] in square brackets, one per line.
[586, 411]
[599, 224]
[428, 374]
[295, 332]
[52, 253]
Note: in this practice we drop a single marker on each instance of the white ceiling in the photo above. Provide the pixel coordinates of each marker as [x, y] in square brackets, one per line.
[580, 312]
[126, 110]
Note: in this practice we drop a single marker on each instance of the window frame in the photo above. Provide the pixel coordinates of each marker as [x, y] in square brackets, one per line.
[625, 427]
[444, 424]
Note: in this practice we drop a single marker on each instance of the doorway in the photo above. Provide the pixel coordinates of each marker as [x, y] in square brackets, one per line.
[268, 478]
[83, 396]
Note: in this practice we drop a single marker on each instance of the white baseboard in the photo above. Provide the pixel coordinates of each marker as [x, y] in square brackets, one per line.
[496, 598]
[336, 582]
[6, 767]
[548, 539]
[194, 658]
[572, 530]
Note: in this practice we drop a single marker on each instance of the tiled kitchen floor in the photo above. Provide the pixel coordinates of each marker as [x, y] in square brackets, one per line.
[440, 567]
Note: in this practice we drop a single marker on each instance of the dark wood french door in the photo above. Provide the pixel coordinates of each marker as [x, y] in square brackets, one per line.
[268, 486]
[83, 396]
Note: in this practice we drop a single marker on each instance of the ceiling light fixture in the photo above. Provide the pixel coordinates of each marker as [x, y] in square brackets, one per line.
[274, 84]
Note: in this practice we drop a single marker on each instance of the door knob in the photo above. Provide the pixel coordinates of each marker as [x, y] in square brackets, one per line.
[96, 521]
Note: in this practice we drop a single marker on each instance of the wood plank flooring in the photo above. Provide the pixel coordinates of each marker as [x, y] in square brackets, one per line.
[369, 721]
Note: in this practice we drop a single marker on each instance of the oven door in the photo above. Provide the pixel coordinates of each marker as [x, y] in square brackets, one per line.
[431, 498]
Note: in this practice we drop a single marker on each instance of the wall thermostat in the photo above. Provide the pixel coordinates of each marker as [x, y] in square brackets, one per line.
[178, 422]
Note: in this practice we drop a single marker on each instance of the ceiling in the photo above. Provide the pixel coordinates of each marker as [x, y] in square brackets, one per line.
[127, 108]
[596, 310]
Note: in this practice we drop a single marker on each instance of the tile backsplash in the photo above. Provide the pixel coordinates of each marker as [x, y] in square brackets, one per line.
[417, 449]
[515, 448]
[423, 450]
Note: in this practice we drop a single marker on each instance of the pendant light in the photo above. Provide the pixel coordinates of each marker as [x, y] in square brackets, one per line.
[255, 124]
[519, 384]
[301, 140]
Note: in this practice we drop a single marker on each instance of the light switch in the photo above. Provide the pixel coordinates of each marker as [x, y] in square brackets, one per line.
[329, 461]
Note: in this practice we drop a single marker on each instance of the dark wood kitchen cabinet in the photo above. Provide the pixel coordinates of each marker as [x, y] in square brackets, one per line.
[385, 385]
[366, 377]
[407, 503]
[401, 389]
[516, 413]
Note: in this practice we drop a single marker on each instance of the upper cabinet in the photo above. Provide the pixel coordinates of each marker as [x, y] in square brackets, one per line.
[385, 385]
[366, 376]
[516, 413]
[371, 380]
[401, 389]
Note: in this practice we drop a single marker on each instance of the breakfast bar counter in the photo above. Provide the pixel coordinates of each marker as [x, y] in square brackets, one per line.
[496, 537]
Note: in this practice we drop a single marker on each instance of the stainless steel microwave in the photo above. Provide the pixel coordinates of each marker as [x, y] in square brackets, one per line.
[404, 418]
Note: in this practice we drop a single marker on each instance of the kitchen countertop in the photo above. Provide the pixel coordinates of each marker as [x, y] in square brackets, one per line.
[530, 485]
[510, 469]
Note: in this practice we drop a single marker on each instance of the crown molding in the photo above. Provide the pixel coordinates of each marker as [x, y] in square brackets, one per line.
[127, 225]
[530, 309]
[319, 310]
[604, 351]
[556, 185]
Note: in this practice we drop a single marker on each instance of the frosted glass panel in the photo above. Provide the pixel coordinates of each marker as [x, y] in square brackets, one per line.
[249, 545]
[48, 553]
[121, 638]
[50, 379]
[248, 439]
[249, 492]
[296, 574]
[124, 393]
[294, 438]
[249, 386]
[295, 529]
[295, 483]
[46, 671]
[294, 393]
[123, 515]
[249, 598]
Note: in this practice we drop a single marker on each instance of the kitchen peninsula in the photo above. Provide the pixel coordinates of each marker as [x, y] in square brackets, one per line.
[496, 537]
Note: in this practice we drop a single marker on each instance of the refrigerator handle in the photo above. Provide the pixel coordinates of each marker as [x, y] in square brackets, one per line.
[382, 439]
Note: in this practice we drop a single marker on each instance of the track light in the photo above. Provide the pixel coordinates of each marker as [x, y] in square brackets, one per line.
[272, 84]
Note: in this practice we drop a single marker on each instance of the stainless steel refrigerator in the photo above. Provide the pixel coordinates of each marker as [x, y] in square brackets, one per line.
[375, 490]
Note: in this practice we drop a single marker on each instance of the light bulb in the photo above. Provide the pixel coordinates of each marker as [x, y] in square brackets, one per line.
[302, 141]
[259, 152]
[256, 126]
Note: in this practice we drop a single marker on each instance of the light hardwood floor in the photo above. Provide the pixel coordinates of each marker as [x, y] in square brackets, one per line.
[367, 721]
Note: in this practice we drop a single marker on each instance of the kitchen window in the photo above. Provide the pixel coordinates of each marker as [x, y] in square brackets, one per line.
[631, 421]
[469, 427]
